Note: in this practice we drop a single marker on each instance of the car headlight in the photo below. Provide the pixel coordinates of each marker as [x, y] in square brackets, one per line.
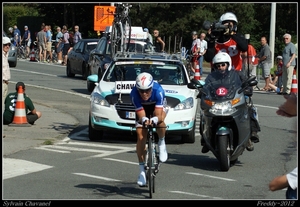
[186, 104]
[96, 98]
[222, 108]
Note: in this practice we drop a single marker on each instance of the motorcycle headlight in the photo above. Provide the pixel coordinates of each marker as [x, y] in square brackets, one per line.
[186, 104]
[222, 108]
[96, 98]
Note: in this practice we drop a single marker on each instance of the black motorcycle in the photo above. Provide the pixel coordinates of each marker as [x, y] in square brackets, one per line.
[225, 118]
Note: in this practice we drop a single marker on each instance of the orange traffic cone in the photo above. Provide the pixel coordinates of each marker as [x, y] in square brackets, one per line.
[294, 88]
[32, 56]
[197, 72]
[20, 118]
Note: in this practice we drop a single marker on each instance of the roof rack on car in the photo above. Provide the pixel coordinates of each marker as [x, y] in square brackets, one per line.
[130, 55]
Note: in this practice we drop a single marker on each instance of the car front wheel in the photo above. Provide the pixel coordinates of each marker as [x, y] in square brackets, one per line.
[190, 137]
[68, 70]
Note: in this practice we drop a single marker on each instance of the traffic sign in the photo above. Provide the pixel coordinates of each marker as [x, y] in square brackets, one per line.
[103, 17]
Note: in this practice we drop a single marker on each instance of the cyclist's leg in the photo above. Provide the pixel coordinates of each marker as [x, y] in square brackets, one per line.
[161, 132]
[141, 152]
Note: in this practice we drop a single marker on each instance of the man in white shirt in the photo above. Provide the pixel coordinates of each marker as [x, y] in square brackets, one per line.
[203, 48]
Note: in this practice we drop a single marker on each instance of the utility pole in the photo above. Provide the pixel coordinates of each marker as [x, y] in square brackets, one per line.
[272, 32]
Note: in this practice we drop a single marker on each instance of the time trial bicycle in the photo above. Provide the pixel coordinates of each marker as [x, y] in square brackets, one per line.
[152, 162]
[121, 29]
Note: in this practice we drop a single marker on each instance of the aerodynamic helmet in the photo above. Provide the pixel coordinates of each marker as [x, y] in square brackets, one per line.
[228, 16]
[222, 57]
[144, 81]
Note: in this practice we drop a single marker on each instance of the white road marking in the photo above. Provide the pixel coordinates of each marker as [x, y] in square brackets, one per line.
[117, 160]
[210, 176]
[193, 194]
[71, 148]
[98, 177]
[16, 167]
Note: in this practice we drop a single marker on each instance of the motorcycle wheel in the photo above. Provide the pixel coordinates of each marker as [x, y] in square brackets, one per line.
[224, 156]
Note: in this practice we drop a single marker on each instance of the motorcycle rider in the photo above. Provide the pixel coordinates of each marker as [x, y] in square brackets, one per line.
[222, 72]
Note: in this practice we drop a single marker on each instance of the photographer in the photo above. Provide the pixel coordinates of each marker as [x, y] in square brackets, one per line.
[227, 40]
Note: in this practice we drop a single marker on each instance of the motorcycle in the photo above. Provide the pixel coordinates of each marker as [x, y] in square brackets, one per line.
[225, 118]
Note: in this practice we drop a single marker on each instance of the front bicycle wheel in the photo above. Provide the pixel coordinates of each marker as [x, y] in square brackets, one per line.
[127, 34]
[115, 39]
[150, 168]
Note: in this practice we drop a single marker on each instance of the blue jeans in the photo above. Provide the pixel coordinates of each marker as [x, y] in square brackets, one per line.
[200, 60]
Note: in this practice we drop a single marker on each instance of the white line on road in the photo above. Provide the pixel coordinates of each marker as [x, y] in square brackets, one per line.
[210, 176]
[52, 150]
[16, 167]
[117, 160]
[193, 194]
[98, 177]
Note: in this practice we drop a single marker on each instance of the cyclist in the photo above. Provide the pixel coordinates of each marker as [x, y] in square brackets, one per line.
[149, 100]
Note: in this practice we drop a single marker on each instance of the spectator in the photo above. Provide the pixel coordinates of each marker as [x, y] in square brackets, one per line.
[66, 45]
[27, 39]
[229, 41]
[49, 43]
[10, 103]
[10, 32]
[289, 180]
[278, 72]
[159, 44]
[59, 44]
[288, 59]
[149, 36]
[71, 40]
[296, 57]
[17, 35]
[77, 35]
[203, 48]
[41, 42]
[252, 59]
[5, 66]
[195, 51]
[265, 61]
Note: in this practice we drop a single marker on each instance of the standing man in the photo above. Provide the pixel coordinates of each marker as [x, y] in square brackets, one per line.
[27, 39]
[158, 42]
[288, 58]
[5, 67]
[41, 42]
[203, 48]
[17, 35]
[266, 61]
[149, 36]
[49, 43]
[195, 51]
[77, 35]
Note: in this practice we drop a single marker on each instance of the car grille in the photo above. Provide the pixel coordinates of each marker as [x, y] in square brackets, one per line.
[123, 109]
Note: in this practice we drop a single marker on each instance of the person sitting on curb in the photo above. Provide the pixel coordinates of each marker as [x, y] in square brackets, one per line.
[10, 104]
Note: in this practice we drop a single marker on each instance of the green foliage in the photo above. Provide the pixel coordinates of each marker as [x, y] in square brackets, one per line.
[171, 19]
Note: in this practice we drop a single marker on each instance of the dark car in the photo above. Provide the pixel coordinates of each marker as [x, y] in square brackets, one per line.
[78, 58]
[100, 57]
[12, 55]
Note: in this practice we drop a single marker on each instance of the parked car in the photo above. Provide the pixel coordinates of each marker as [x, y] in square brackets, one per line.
[12, 55]
[111, 108]
[100, 57]
[77, 61]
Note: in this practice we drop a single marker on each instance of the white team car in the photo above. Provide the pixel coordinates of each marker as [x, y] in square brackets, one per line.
[111, 107]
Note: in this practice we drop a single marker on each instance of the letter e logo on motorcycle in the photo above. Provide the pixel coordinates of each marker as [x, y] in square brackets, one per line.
[221, 91]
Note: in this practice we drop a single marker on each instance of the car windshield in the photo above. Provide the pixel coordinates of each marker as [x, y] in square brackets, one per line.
[164, 72]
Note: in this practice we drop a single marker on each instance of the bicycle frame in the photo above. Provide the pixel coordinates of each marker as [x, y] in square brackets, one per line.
[121, 24]
[152, 162]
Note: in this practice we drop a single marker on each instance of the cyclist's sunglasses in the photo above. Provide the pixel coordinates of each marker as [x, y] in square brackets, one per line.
[145, 91]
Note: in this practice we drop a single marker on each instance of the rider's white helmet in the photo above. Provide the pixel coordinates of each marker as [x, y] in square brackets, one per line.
[144, 81]
[222, 57]
[228, 16]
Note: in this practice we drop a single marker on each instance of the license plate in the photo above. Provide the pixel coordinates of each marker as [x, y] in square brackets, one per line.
[130, 115]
